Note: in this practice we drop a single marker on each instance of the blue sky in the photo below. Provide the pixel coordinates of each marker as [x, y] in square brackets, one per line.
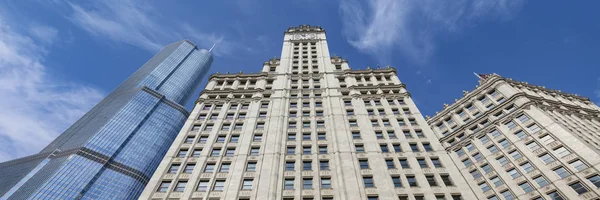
[59, 58]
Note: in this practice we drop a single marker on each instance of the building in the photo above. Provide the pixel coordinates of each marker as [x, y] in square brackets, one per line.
[112, 151]
[306, 127]
[514, 140]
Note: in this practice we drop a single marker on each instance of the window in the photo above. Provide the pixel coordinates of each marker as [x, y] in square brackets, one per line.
[431, 180]
[396, 181]
[404, 163]
[307, 165]
[379, 135]
[422, 163]
[467, 162]
[374, 123]
[353, 124]
[210, 167]
[494, 133]
[307, 183]
[238, 126]
[419, 134]
[260, 126]
[493, 148]
[360, 148]
[173, 169]
[291, 137]
[555, 196]
[478, 157]
[533, 146]
[484, 187]
[390, 164]
[322, 149]
[533, 128]
[254, 151]
[523, 118]
[225, 167]
[364, 164]
[234, 138]
[446, 179]
[561, 172]
[164, 186]
[350, 112]
[476, 174]
[486, 168]
[407, 134]
[180, 186]
[504, 143]
[384, 148]
[229, 152]
[515, 154]
[189, 139]
[325, 183]
[182, 153]
[547, 139]
[414, 147]
[541, 181]
[460, 152]
[595, 180]
[372, 198]
[561, 152]
[288, 184]
[247, 184]
[397, 148]
[289, 166]
[221, 138]
[368, 181]
[578, 165]
[251, 167]
[502, 160]
[324, 165]
[527, 167]
[496, 181]
[291, 150]
[189, 168]
[391, 134]
[507, 195]
[321, 136]
[306, 150]
[355, 135]
[226, 127]
[202, 185]
[578, 187]
[427, 147]
[412, 122]
[521, 134]
[257, 138]
[547, 158]
[513, 173]
[412, 182]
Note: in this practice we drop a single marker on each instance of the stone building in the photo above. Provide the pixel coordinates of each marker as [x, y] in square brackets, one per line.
[307, 126]
[514, 140]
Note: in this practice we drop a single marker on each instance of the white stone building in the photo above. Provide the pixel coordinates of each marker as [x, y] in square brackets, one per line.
[514, 140]
[307, 127]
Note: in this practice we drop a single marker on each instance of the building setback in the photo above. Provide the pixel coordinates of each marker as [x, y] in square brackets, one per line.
[514, 140]
[112, 151]
[307, 127]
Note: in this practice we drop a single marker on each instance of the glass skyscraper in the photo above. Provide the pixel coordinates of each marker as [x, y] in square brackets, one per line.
[112, 151]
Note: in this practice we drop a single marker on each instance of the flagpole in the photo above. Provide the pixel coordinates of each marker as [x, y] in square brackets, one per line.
[477, 75]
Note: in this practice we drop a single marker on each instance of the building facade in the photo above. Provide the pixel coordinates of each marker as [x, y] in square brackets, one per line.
[112, 151]
[306, 127]
[514, 140]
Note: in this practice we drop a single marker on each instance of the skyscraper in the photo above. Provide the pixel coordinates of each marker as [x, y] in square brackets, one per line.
[112, 151]
[306, 127]
[515, 140]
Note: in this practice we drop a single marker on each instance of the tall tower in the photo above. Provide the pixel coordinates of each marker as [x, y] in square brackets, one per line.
[306, 127]
[515, 140]
[111, 152]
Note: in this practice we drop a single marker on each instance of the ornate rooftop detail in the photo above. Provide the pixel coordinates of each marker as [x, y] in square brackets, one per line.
[304, 28]
[272, 62]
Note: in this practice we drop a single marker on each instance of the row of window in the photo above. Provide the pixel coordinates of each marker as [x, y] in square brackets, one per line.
[412, 180]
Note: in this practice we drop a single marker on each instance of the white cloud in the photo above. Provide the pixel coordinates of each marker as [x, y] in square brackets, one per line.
[139, 24]
[377, 27]
[43, 33]
[35, 106]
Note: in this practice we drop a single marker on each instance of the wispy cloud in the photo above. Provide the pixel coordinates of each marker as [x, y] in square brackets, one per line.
[380, 26]
[36, 106]
[139, 24]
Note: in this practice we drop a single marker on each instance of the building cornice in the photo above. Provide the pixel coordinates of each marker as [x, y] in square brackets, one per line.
[304, 29]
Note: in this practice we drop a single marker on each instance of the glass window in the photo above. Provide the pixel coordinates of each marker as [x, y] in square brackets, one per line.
[289, 184]
[436, 163]
[230, 152]
[291, 136]
[306, 150]
[523, 118]
[254, 151]
[447, 181]
[307, 165]
[396, 181]
[547, 139]
[513, 173]
[431, 180]
[414, 147]
[533, 146]
[595, 180]
[561, 172]
[289, 165]
[578, 187]
[422, 163]
[210, 167]
[486, 168]
[182, 153]
[364, 164]
[541, 181]
[164, 186]
[390, 164]
[547, 158]
[291, 150]
[234, 138]
[202, 186]
[322, 136]
[561, 152]
[384, 148]
[180, 186]
[203, 139]
[533, 128]
[578, 165]
[555, 196]
[307, 183]
[397, 148]
[322, 149]
[247, 184]
[476, 174]
[527, 167]
[325, 183]
[368, 181]
[502, 160]
[251, 167]
[355, 135]
[225, 167]
[477, 156]
[521, 134]
[493, 148]
[494, 133]
[189, 139]
[484, 139]
[404, 163]
[173, 169]
[189, 168]
[515, 154]
[412, 182]
[324, 165]
[484, 187]
[504, 143]
[360, 148]
[496, 181]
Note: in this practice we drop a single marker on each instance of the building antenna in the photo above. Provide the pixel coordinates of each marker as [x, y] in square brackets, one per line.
[477, 75]
[213, 46]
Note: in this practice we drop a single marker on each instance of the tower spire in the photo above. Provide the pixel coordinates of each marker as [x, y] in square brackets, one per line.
[213, 46]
